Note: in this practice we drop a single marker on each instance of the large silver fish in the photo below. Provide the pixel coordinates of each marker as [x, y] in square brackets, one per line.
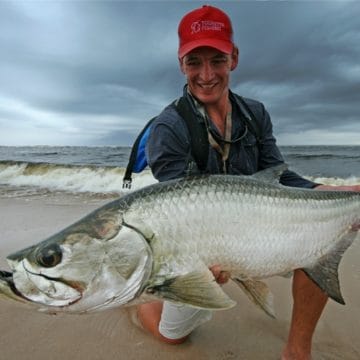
[160, 240]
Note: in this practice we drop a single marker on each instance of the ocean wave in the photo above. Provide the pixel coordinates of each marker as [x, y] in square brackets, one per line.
[321, 156]
[42, 177]
[70, 178]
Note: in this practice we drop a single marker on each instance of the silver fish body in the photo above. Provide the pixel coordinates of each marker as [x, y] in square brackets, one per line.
[159, 242]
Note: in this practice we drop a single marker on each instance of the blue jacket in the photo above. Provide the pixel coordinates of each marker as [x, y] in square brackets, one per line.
[168, 149]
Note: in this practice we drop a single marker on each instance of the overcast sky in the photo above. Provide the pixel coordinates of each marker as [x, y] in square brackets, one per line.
[93, 72]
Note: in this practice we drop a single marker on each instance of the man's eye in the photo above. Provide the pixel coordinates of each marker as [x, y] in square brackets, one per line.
[219, 61]
[193, 63]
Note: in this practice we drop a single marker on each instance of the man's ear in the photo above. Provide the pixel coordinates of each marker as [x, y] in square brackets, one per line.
[181, 64]
[234, 58]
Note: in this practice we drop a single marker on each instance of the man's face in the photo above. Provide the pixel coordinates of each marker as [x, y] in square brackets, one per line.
[208, 73]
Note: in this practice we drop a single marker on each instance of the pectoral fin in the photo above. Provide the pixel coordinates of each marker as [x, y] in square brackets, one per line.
[198, 289]
[325, 272]
[259, 293]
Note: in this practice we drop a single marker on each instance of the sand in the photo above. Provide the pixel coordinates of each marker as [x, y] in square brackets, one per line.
[243, 332]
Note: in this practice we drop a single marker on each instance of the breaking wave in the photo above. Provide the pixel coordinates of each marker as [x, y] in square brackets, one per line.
[91, 178]
[70, 178]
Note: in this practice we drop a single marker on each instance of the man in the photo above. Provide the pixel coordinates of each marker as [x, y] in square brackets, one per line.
[207, 55]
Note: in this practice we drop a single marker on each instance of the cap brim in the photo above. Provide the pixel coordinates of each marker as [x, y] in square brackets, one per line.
[223, 46]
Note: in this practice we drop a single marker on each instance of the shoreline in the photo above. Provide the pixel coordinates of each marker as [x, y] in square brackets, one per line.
[243, 332]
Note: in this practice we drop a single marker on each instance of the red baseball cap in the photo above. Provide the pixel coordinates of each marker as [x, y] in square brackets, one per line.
[205, 26]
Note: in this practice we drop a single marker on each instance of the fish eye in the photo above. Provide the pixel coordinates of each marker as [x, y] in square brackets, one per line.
[49, 256]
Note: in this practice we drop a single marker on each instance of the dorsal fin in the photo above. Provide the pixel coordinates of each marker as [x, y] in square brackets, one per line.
[271, 175]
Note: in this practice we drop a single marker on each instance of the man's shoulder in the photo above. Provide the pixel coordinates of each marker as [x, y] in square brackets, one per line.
[169, 121]
[252, 103]
[169, 116]
[254, 109]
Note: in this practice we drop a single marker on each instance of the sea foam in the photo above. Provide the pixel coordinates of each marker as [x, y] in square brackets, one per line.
[93, 179]
[71, 178]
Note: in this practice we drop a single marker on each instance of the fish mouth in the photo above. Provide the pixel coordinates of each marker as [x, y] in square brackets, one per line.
[76, 287]
[8, 288]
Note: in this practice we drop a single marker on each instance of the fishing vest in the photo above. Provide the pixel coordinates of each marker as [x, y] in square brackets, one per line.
[199, 142]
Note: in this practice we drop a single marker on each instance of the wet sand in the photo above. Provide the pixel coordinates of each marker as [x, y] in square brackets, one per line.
[243, 332]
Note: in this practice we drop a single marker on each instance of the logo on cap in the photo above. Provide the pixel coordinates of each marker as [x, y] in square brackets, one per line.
[206, 25]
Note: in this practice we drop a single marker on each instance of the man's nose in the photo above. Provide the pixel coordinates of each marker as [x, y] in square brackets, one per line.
[207, 71]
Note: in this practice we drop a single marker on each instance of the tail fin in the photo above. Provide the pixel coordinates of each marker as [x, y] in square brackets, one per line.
[325, 272]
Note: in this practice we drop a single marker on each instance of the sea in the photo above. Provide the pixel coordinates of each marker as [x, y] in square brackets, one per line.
[98, 172]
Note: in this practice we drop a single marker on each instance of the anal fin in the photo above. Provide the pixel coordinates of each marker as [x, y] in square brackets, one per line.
[259, 293]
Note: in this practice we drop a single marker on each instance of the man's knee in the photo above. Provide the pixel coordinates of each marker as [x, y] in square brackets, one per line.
[172, 341]
[171, 323]
[178, 321]
[148, 318]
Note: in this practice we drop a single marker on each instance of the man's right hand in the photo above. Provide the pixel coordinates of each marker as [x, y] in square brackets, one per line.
[221, 276]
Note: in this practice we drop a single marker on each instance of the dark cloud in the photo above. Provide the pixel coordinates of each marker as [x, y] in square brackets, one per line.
[94, 72]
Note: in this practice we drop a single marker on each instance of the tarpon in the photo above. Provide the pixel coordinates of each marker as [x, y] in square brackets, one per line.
[159, 242]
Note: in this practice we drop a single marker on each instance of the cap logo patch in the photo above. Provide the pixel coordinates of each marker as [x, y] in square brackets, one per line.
[206, 25]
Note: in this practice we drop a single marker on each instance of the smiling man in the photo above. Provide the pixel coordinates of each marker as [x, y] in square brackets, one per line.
[240, 141]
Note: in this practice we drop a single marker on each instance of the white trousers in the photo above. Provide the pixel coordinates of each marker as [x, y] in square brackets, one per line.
[178, 320]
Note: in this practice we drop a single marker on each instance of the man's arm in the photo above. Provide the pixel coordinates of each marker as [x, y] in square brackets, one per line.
[168, 147]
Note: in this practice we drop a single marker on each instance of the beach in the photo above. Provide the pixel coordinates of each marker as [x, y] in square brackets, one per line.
[243, 332]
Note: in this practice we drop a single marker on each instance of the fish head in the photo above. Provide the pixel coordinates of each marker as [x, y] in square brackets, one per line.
[94, 264]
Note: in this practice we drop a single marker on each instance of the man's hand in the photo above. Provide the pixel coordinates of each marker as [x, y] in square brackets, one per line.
[339, 187]
[220, 276]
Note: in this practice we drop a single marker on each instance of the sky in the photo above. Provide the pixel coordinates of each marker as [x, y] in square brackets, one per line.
[93, 72]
